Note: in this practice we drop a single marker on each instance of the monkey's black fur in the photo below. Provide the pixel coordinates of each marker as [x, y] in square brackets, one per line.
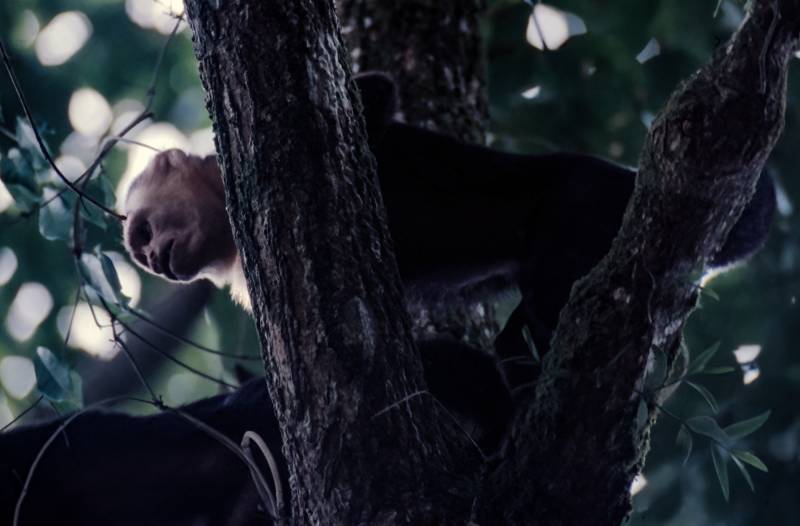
[463, 213]
[458, 213]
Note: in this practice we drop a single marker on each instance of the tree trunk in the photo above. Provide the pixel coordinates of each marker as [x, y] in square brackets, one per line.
[433, 50]
[364, 444]
[577, 442]
[308, 221]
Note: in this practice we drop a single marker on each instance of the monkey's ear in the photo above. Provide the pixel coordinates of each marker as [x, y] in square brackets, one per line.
[380, 100]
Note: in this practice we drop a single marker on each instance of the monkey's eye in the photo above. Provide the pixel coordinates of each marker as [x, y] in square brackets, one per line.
[147, 233]
[141, 234]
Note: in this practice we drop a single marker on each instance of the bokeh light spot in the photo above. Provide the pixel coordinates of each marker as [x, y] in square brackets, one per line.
[549, 27]
[64, 36]
[17, 376]
[29, 309]
[8, 264]
[89, 112]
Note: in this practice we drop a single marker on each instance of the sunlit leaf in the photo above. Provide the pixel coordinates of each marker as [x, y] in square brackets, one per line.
[19, 178]
[720, 458]
[110, 273]
[56, 218]
[26, 140]
[746, 427]
[101, 190]
[706, 394]
[52, 375]
[24, 198]
[109, 197]
[101, 277]
[749, 458]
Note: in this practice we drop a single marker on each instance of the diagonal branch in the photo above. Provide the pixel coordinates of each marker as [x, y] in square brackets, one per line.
[577, 438]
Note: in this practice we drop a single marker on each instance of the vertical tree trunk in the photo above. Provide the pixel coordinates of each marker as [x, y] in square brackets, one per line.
[433, 50]
[363, 446]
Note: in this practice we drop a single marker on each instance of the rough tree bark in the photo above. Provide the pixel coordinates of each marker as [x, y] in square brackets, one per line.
[577, 439]
[308, 221]
[433, 50]
[302, 195]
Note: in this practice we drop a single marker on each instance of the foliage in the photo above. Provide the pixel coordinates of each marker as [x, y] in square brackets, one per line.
[592, 95]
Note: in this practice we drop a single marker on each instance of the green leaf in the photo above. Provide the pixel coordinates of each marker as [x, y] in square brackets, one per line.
[56, 219]
[720, 458]
[109, 196]
[29, 147]
[707, 426]
[19, 178]
[706, 394]
[684, 442]
[698, 364]
[746, 427]
[101, 276]
[52, 375]
[101, 190]
[749, 458]
[724, 369]
[77, 388]
[24, 198]
[744, 472]
[110, 273]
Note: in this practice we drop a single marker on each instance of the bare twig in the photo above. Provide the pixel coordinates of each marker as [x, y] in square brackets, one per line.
[22, 414]
[42, 146]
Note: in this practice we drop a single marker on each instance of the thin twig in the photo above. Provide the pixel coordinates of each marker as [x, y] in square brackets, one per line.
[187, 341]
[259, 481]
[22, 414]
[175, 360]
[42, 146]
[47, 444]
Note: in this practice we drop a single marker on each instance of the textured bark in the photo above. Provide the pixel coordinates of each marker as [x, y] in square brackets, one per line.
[433, 50]
[576, 441]
[308, 221]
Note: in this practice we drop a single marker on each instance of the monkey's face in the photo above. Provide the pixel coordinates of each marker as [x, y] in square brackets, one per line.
[177, 226]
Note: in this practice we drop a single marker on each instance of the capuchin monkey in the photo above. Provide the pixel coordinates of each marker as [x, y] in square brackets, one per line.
[458, 213]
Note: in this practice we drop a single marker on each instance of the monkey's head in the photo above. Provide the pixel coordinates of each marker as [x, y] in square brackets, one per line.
[177, 227]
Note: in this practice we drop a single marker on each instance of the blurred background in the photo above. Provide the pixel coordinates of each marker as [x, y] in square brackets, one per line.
[588, 77]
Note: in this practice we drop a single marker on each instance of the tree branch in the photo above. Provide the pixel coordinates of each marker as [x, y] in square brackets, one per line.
[578, 432]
